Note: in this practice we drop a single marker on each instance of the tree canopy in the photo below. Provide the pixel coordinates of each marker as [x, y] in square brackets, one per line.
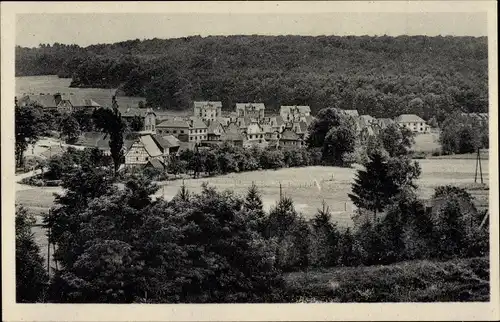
[381, 76]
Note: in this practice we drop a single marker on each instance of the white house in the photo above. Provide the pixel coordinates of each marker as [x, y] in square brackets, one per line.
[143, 150]
[295, 113]
[207, 111]
[412, 122]
[253, 110]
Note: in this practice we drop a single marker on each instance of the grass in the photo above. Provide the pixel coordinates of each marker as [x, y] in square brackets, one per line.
[459, 280]
[426, 142]
[306, 186]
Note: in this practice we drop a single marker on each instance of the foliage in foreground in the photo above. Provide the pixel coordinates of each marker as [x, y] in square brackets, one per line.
[118, 245]
[416, 281]
[31, 275]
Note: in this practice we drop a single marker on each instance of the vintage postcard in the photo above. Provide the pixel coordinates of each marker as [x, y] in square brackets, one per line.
[249, 161]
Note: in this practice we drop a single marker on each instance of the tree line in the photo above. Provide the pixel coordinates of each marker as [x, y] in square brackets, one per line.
[119, 245]
[463, 134]
[381, 76]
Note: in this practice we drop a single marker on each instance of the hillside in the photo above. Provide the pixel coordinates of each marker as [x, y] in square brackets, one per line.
[382, 76]
[458, 280]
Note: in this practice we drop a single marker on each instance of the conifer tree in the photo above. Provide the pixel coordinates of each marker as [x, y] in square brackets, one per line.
[373, 187]
[325, 238]
[253, 203]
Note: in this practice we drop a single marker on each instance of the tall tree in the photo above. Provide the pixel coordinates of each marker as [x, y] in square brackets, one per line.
[339, 141]
[325, 239]
[373, 187]
[253, 203]
[27, 127]
[397, 141]
[31, 276]
[325, 120]
[70, 129]
[110, 122]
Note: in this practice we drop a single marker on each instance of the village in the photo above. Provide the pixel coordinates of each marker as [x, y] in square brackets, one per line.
[313, 163]
[249, 124]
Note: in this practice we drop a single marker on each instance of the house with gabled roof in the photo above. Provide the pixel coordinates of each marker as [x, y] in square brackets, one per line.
[412, 122]
[198, 130]
[151, 149]
[176, 127]
[290, 139]
[214, 130]
[207, 110]
[253, 110]
[232, 134]
[294, 113]
[60, 102]
[384, 122]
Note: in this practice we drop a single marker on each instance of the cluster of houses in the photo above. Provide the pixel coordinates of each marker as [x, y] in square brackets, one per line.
[247, 125]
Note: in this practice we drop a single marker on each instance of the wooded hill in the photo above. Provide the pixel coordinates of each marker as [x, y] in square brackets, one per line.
[381, 76]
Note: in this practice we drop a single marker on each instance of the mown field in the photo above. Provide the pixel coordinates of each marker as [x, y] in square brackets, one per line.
[308, 186]
[459, 280]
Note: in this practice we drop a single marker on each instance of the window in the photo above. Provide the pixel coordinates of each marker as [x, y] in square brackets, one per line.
[182, 131]
[147, 158]
[137, 159]
[174, 131]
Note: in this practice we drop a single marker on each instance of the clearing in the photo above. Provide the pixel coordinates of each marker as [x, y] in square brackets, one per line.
[307, 186]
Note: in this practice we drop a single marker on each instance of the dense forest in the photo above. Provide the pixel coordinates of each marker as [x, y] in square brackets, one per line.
[381, 76]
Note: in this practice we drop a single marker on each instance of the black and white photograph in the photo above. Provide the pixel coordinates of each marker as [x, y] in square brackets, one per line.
[246, 157]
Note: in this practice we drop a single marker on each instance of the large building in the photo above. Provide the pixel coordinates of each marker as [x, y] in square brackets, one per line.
[294, 113]
[60, 102]
[198, 130]
[176, 127]
[412, 122]
[207, 111]
[252, 110]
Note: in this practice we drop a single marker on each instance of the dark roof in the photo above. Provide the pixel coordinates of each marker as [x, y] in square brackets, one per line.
[174, 123]
[214, 125]
[231, 133]
[78, 101]
[53, 150]
[288, 135]
[172, 141]
[405, 118]
[197, 123]
[155, 163]
[160, 141]
[93, 140]
[132, 111]
[47, 101]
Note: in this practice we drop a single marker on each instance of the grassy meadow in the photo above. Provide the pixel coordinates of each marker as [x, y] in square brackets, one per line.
[413, 281]
[307, 186]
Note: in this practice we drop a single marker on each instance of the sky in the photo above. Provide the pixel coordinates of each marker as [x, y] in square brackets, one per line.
[87, 29]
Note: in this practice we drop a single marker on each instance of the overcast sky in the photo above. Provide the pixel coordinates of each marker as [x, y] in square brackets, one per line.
[87, 29]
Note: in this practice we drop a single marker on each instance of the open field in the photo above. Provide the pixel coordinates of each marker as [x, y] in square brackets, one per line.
[414, 281]
[426, 142]
[306, 186]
